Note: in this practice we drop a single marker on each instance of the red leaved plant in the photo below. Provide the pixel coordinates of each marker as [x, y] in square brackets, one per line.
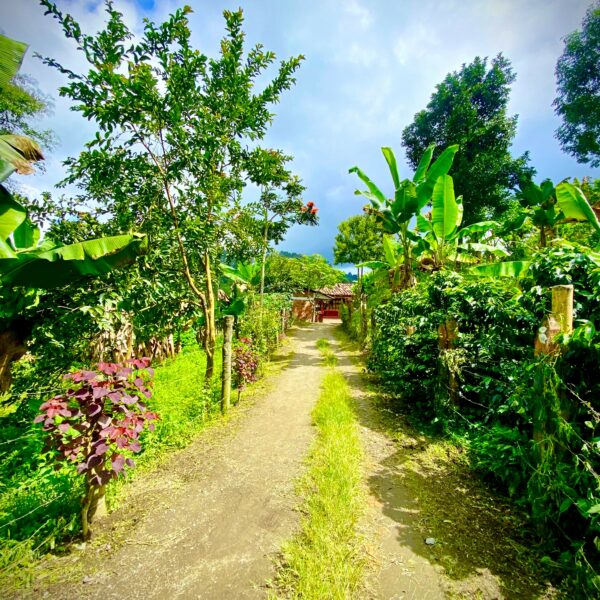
[245, 364]
[97, 420]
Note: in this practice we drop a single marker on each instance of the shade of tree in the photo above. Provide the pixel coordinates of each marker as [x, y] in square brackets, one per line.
[578, 91]
[469, 108]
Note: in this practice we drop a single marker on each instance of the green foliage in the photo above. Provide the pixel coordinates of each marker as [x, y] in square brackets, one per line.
[469, 108]
[263, 324]
[578, 91]
[531, 422]
[358, 240]
[287, 275]
[394, 215]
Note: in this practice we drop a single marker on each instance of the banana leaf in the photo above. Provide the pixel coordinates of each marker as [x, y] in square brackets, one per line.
[64, 264]
[574, 204]
[515, 268]
[11, 58]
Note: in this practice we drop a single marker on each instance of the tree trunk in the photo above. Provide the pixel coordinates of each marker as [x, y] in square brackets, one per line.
[11, 349]
[210, 334]
[93, 504]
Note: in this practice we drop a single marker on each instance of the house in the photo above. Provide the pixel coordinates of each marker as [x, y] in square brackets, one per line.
[314, 305]
[336, 296]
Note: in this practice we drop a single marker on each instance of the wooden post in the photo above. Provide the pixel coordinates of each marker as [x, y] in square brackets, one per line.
[560, 320]
[226, 389]
[447, 336]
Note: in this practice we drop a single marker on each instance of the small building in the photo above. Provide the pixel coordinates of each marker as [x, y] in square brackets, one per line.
[315, 305]
[304, 305]
[335, 297]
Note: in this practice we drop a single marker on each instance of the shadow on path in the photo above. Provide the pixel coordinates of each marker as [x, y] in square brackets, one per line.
[422, 488]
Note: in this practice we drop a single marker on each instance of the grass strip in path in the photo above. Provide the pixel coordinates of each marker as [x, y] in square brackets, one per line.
[324, 559]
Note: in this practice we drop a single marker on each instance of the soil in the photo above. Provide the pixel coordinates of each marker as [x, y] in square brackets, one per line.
[210, 521]
[208, 525]
[423, 489]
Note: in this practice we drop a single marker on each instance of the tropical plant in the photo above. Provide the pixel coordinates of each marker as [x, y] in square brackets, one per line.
[444, 239]
[97, 422]
[551, 206]
[410, 196]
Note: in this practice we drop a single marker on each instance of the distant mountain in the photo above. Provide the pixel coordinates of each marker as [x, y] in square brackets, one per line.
[290, 254]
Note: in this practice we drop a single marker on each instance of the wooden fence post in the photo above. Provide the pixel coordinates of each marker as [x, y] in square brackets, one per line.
[447, 336]
[226, 388]
[560, 320]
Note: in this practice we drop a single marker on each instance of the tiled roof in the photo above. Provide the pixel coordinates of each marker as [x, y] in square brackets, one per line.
[339, 289]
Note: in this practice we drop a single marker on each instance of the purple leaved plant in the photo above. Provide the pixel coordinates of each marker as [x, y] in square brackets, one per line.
[97, 422]
[245, 364]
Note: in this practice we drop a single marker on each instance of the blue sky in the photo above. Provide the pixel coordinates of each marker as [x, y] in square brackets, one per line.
[370, 66]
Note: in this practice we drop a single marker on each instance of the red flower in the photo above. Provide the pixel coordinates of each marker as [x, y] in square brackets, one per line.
[313, 211]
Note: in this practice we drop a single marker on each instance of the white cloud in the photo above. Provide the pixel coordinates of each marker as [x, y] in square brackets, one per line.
[358, 13]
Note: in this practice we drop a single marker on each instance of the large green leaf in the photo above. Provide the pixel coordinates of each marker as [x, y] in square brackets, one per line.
[424, 163]
[440, 167]
[374, 265]
[12, 214]
[502, 269]
[26, 235]
[445, 214]
[375, 192]
[574, 204]
[477, 247]
[61, 265]
[481, 227]
[11, 58]
[391, 161]
[390, 250]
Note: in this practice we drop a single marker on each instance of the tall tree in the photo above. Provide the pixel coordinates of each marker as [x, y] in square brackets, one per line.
[578, 91]
[174, 126]
[469, 108]
[359, 240]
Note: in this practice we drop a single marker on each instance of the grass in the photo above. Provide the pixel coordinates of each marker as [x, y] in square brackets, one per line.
[329, 357]
[46, 503]
[324, 560]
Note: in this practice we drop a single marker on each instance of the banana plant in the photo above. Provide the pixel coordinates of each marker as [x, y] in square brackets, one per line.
[410, 196]
[548, 206]
[390, 269]
[572, 206]
[443, 238]
[243, 278]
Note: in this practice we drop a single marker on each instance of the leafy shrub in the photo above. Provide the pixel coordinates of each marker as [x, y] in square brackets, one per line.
[264, 324]
[97, 422]
[532, 422]
[245, 364]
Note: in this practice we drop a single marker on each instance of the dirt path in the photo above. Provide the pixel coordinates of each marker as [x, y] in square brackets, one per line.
[213, 535]
[421, 488]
